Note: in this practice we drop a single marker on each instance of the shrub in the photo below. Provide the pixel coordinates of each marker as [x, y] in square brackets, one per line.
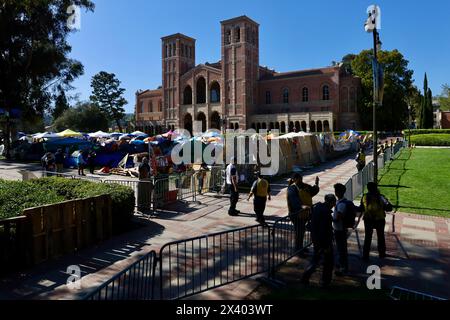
[426, 131]
[17, 196]
[431, 140]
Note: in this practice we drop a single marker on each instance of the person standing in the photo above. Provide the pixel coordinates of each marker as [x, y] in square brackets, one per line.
[360, 160]
[201, 174]
[374, 207]
[81, 163]
[261, 192]
[145, 185]
[344, 215]
[322, 238]
[49, 163]
[91, 161]
[232, 179]
[59, 161]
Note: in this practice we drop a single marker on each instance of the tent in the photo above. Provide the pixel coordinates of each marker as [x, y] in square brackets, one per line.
[99, 134]
[70, 143]
[139, 134]
[69, 133]
[46, 135]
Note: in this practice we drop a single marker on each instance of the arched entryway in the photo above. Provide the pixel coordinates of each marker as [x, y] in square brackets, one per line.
[188, 123]
[214, 93]
[215, 120]
[202, 118]
[291, 126]
[319, 126]
[297, 126]
[187, 95]
[264, 126]
[304, 126]
[326, 126]
[283, 127]
[312, 126]
[201, 90]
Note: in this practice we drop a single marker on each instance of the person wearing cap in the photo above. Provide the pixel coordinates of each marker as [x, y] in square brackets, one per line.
[322, 238]
[261, 192]
[232, 178]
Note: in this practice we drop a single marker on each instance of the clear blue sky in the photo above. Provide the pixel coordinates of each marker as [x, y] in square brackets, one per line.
[123, 37]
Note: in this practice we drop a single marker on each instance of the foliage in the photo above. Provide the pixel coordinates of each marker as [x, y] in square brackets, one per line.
[426, 113]
[444, 98]
[34, 57]
[426, 131]
[107, 96]
[418, 182]
[393, 114]
[61, 104]
[431, 139]
[17, 196]
[85, 118]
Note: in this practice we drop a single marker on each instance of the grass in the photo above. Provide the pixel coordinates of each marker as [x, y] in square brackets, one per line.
[419, 182]
[431, 139]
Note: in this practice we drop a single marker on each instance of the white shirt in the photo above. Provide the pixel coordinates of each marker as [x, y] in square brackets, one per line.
[228, 171]
[340, 207]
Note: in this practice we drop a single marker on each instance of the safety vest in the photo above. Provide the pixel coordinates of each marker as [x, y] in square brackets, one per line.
[362, 157]
[373, 210]
[262, 188]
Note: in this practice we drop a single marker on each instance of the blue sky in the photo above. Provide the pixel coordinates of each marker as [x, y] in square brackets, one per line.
[123, 37]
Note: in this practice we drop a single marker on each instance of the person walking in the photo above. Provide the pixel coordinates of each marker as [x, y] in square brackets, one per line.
[59, 161]
[360, 160]
[374, 206]
[261, 192]
[232, 179]
[81, 163]
[322, 238]
[344, 216]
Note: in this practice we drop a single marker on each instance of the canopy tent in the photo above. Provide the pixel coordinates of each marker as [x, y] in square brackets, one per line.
[71, 143]
[46, 135]
[99, 134]
[69, 133]
[139, 134]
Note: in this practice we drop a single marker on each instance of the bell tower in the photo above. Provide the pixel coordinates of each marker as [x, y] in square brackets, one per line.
[178, 57]
[240, 68]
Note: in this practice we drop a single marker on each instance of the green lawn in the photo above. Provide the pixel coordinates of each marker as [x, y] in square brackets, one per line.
[419, 182]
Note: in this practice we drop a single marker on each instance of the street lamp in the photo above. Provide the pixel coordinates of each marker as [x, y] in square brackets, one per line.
[371, 26]
[409, 125]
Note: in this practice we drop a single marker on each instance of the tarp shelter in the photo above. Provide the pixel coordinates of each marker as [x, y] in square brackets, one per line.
[71, 144]
[69, 133]
[99, 134]
[297, 149]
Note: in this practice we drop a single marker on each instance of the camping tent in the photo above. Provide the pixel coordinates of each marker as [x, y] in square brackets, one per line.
[99, 134]
[69, 133]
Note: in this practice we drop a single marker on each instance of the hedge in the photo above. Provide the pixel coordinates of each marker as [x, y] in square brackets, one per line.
[426, 131]
[17, 196]
[431, 140]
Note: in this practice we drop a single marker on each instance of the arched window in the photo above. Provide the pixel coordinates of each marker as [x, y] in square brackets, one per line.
[326, 126]
[319, 126]
[268, 97]
[188, 122]
[215, 120]
[202, 118]
[201, 90]
[187, 95]
[174, 49]
[286, 95]
[182, 50]
[142, 108]
[312, 126]
[283, 127]
[297, 126]
[215, 92]
[150, 106]
[304, 126]
[170, 50]
[228, 36]
[326, 92]
[305, 95]
[237, 34]
[167, 51]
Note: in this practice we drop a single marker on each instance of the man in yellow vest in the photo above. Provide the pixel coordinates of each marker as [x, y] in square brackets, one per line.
[261, 192]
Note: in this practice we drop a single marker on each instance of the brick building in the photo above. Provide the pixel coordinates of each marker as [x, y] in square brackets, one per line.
[236, 92]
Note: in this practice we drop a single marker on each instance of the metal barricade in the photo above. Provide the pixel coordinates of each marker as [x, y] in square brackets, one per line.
[186, 186]
[136, 282]
[289, 238]
[192, 266]
[216, 179]
[398, 293]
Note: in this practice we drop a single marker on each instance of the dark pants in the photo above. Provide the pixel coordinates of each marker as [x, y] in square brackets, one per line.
[378, 225]
[259, 206]
[91, 168]
[342, 250]
[200, 185]
[327, 253]
[234, 197]
[299, 229]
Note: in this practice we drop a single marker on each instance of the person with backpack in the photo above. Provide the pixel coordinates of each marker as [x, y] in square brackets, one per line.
[261, 192]
[374, 206]
[344, 216]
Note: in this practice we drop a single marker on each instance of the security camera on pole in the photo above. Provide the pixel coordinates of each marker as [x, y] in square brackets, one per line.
[373, 24]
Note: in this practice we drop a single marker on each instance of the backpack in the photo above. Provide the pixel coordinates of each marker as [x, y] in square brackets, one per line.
[349, 214]
[374, 210]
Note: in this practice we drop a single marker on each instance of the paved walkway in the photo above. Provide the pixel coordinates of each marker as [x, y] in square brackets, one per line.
[422, 239]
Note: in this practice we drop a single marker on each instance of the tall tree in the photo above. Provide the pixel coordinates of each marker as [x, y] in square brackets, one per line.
[393, 114]
[107, 95]
[61, 104]
[430, 109]
[34, 56]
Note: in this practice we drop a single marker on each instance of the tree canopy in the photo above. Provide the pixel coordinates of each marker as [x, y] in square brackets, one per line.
[108, 96]
[85, 117]
[34, 57]
[444, 98]
[398, 87]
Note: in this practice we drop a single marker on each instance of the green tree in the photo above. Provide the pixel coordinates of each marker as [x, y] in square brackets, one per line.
[34, 55]
[444, 98]
[107, 96]
[85, 117]
[393, 114]
[426, 114]
[61, 104]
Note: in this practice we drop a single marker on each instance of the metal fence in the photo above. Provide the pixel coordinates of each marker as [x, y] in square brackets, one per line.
[398, 293]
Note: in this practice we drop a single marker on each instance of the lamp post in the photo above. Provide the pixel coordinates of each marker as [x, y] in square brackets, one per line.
[371, 26]
[409, 125]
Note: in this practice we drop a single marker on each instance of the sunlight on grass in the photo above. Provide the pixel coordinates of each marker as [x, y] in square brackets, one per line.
[419, 182]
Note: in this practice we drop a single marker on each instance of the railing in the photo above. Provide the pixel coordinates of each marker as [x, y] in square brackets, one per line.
[398, 293]
[191, 266]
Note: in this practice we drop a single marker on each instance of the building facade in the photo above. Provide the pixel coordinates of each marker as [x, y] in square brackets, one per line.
[238, 93]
